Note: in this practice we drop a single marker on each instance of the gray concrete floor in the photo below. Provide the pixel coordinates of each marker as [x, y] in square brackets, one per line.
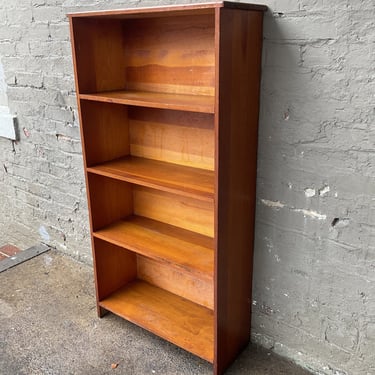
[48, 325]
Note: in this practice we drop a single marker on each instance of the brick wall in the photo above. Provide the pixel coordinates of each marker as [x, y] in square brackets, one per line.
[314, 283]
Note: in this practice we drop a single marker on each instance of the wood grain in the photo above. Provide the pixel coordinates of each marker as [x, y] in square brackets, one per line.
[114, 268]
[197, 289]
[186, 181]
[181, 211]
[105, 130]
[182, 249]
[171, 54]
[184, 138]
[97, 45]
[239, 82]
[173, 318]
[193, 103]
[169, 104]
[110, 200]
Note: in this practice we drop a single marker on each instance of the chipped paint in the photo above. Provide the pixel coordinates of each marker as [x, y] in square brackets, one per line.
[309, 192]
[273, 204]
[43, 233]
[325, 190]
[309, 213]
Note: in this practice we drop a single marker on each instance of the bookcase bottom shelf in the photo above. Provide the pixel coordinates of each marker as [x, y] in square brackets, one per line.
[176, 319]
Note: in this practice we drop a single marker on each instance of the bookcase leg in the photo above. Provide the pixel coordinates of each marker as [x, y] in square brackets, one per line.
[101, 311]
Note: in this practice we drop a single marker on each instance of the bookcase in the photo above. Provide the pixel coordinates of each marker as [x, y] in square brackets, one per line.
[169, 101]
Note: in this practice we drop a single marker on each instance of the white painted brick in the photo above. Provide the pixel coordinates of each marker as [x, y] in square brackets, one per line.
[22, 172]
[37, 31]
[285, 56]
[64, 83]
[3, 17]
[29, 79]
[59, 31]
[15, 4]
[59, 114]
[50, 48]
[360, 55]
[49, 14]
[317, 56]
[7, 48]
[300, 28]
[19, 16]
[364, 5]
[58, 65]
[285, 6]
[22, 48]
[10, 33]
[323, 5]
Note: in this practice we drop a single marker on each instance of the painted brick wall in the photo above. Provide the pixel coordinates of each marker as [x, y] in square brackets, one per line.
[314, 292]
[314, 282]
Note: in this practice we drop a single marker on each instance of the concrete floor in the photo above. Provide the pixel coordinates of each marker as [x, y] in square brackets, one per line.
[48, 325]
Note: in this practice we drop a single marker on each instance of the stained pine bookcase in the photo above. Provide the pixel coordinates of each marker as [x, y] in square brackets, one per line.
[169, 101]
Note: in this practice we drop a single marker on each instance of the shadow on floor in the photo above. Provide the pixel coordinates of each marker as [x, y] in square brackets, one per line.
[49, 326]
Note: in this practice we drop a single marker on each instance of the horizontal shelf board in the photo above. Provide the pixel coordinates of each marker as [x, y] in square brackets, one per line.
[191, 103]
[169, 316]
[173, 178]
[178, 247]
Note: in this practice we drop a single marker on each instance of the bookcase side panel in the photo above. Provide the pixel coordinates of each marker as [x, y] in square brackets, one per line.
[105, 131]
[110, 200]
[114, 268]
[99, 54]
[239, 81]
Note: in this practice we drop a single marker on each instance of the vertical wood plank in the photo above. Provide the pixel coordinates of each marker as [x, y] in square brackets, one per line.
[105, 131]
[114, 268]
[110, 200]
[99, 54]
[239, 81]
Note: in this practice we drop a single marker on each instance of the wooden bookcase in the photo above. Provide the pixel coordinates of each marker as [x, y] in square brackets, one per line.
[169, 102]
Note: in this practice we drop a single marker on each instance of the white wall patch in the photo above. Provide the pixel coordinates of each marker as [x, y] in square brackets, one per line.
[8, 126]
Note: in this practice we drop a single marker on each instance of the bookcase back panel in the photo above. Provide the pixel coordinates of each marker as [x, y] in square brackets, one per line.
[105, 131]
[184, 284]
[184, 138]
[171, 54]
[183, 212]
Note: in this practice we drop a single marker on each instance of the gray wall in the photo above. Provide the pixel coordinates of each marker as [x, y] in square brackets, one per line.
[314, 283]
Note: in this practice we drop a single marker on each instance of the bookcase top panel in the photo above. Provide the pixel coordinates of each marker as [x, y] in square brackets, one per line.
[167, 10]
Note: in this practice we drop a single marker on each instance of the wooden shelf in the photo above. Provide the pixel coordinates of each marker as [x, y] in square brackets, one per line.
[177, 247]
[191, 103]
[169, 109]
[173, 178]
[173, 318]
